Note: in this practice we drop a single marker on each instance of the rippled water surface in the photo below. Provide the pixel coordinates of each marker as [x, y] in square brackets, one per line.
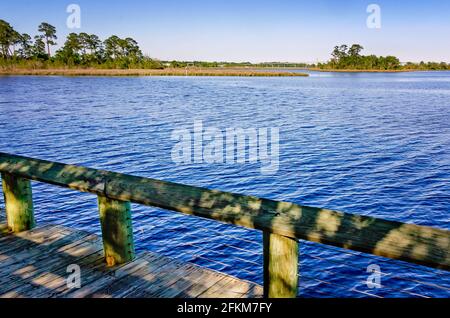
[371, 144]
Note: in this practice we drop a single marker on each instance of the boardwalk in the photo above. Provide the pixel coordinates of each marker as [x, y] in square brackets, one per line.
[34, 264]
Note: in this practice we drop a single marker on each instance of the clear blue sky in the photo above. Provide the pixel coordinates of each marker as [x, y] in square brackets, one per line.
[239, 30]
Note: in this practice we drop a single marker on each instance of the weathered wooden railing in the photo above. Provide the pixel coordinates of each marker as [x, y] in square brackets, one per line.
[282, 223]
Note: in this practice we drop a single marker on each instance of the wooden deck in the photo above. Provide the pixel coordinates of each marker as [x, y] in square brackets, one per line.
[34, 264]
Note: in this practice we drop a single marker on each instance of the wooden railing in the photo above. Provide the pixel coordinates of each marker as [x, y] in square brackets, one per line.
[282, 223]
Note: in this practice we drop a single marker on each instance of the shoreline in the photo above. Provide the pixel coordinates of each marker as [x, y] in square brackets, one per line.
[366, 71]
[200, 72]
[147, 72]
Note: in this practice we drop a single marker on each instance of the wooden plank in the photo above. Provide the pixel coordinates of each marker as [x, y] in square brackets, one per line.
[18, 203]
[103, 281]
[164, 278]
[417, 244]
[127, 283]
[134, 271]
[28, 251]
[95, 276]
[39, 270]
[231, 287]
[160, 274]
[54, 283]
[68, 176]
[4, 229]
[235, 288]
[56, 243]
[159, 279]
[48, 276]
[11, 243]
[3, 226]
[280, 266]
[183, 278]
[98, 280]
[29, 276]
[25, 245]
[37, 282]
[216, 289]
[253, 291]
[93, 268]
[117, 231]
[207, 279]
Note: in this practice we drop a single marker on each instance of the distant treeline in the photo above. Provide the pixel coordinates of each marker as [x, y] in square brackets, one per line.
[183, 64]
[20, 50]
[86, 50]
[350, 58]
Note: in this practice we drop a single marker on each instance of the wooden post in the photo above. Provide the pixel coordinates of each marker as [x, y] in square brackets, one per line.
[280, 266]
[18, 203]
[117, 231]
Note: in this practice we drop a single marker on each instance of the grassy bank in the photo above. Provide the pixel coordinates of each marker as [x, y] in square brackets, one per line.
[331, 70]
[147, 72]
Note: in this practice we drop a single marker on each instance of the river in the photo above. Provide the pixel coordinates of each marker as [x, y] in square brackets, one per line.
[366, 143]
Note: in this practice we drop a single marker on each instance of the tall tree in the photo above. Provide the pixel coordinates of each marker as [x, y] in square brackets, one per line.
[15, 40]
[343, 50]
[73, 43]
[69, 53]
[7, 38]
[84, 41]
[49, 34]
[355, 50]
[39, 47]
[336, 53]
[112, 47]
[93, 43]
[392, 62]
[26, 46]
[132, 48]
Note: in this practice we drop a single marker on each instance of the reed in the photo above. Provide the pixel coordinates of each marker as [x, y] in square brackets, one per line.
[148, 72]
[333, 70]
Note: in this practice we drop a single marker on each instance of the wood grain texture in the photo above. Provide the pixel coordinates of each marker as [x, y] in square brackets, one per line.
[34, 264]
[3, 226]
[18, 203]
[280, 266]
[117, 231]
[408, 242]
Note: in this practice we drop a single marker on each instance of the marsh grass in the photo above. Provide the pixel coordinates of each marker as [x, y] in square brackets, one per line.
[333, 70]
[146, 72]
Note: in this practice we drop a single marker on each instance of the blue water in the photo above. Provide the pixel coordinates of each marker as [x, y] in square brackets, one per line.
[371, 144]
